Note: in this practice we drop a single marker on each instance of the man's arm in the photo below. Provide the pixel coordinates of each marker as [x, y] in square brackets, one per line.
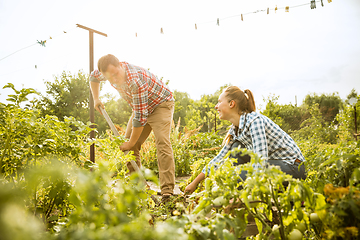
[135, 134]
[129, 127]
[95, 90]
[94, 79]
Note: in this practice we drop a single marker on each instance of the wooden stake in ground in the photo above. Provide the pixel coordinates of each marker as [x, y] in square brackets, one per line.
[91, 100]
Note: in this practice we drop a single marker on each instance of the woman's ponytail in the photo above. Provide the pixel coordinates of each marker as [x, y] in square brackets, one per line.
[244, 99]
[251, 102]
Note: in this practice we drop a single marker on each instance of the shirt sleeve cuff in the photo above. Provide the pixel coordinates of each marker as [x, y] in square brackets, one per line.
[93, 79]
[136, 123]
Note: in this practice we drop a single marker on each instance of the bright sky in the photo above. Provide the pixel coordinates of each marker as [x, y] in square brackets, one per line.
[284, 53]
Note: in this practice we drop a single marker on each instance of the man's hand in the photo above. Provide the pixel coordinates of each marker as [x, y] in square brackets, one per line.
[126, 146]
[97, 104]
[95, 89]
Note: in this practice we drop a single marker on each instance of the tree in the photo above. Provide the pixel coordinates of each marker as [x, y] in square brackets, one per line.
[67, 95]
[182, 101]
[316, 129]
[202, 112]
[289, 117]
[346, 117]
[329, 104]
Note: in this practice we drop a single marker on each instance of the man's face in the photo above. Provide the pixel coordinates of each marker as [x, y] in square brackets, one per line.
[115, 75]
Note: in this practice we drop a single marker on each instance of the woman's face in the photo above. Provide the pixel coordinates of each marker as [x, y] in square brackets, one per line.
[223, 107]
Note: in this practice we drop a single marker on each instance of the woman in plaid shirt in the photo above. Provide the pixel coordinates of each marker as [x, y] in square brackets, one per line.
[255, 132]
[153, 107]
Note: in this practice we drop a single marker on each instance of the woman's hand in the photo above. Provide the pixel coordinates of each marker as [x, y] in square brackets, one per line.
[193, 185]
[190, 188]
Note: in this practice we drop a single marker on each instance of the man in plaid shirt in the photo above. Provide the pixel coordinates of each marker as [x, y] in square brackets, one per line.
[153, 107]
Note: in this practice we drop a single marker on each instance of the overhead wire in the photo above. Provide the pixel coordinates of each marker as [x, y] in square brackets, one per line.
[257, 11]
[42, 42]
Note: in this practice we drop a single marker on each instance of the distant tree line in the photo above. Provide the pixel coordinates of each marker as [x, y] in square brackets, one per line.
[68, 95]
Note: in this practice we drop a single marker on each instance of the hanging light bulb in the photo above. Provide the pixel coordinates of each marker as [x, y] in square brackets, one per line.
[287, 9]
[267, 10]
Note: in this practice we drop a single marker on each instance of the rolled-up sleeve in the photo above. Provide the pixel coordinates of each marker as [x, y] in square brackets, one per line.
[96, 76]
[216, 161]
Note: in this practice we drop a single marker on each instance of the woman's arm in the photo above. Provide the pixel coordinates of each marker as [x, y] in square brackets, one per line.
[206, 170]
[193, 185]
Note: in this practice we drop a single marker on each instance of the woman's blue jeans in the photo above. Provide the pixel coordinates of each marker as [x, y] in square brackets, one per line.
[288, 168]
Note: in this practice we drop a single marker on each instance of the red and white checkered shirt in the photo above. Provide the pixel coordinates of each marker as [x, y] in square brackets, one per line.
[142, 90]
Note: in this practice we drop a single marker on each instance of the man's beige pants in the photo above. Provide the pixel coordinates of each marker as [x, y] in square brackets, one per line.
[158, 121]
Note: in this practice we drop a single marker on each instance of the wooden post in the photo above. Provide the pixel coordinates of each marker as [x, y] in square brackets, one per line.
[215, 121]
[356, 133]
[91, 99]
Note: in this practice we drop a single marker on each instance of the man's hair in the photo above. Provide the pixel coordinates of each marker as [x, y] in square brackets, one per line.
[105, 61]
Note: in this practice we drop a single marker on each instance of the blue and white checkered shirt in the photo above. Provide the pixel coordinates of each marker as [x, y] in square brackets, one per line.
[261, 135]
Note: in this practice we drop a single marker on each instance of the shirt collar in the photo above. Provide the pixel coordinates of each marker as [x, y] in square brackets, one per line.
[127, 69]
[241, 127]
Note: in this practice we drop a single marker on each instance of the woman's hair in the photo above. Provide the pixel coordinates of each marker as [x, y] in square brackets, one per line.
[244, 99]
[244, 102]
[105, 61]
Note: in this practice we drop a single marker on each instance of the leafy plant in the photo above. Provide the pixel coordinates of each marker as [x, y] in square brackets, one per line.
[261, 196]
